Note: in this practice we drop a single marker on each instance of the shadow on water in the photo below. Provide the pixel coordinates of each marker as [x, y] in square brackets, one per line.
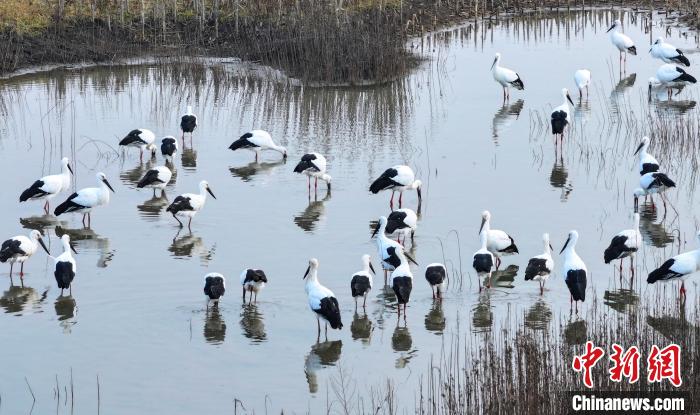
[252, 323]
[674, 328]
[42, 223]
[435, 320]
[321, 355]
[66, 310]
[214, 326]
[652, 232]
[308, 218]
[188, 245]
[361, 328]
[401, 342]
[482, 318]
[505, 116]
[152, 208]
[251, 170]
[189, 159]
[576, 332]
[538, 316]
[621, 300]
[559, 178]
[88, 240]
[18, 300]
[504, 278]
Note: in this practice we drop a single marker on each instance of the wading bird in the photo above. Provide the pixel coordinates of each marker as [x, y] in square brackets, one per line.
[20, 248]
[436, 275]
[65, 266]
[387, 249]
[672, 76]
[156, 178]
[404, 221]
[361, 282]
[498, 242]
[253, 281]
[483, 261]
[561, 116]
[188, 204]
[188, 123]
[621, 41]
[322, 301]
[314, 165]
[505, 77]
[624, 244]
[679, 267]
[582, 78]
[142, 139]
[168, 148]
[574, 270]
[540, 267]
[651, 183]
[214, 287]
[667, 52]
[48, 187]
[256, 141]
[85, 200]
[397, 179]
[647, 162]
[402, 282]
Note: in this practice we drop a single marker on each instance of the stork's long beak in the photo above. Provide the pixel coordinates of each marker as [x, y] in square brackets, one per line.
[41, 242]
[640, 145]
[636, 204]
[372, 269]
[307, 272]
[649, 50]
[420, 194]
[70, 169]
[483, 221]
[108, 185]
[494, 63]
[410, 259]
[565, 245]
[72, 248]
[611, 28]
[550, 247]
[569, 98]
[376, 229]
[210, 192]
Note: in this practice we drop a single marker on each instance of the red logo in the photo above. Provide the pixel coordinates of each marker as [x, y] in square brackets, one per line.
[625, 364]
[586, 361]
[665, 364]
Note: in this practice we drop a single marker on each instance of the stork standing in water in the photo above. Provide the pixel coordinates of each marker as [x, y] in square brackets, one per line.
[65, 266]
[483, 261]
[361, 282]
[561, 116]
[624, 244]
[85, 200]
[214, 287]
[667, 52]
[322, 301]
[505, 77]
[402, 282]
[156, 178]
[253, 281]
[540, 267]
[188, 204]
[621, 41]
[397, 179]
[20, 248]
[314, 165]
[647, 162]
[387, 249]
[168, 148]
[436, 275]
[404, 221]
[582, 78]
[48, 187]
[142, 139]
[498, 242]
[574, 270]
[256, 141]
[679, 267]
[672, 76]
[188, 123]
[651, 183]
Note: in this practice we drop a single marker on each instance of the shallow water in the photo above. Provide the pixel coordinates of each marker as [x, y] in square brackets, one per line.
[137, 317]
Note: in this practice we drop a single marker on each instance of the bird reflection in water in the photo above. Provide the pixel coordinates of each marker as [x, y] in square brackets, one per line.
[322, 355]
[676, 328]
[401, 342]
[435, 319]
[308, 218]
[651, 231]
[618, 92]
[249, 171]
[20, 299]
[386, 305]
[66, 308]
[538, 316]
[575, 332]
[361, 328]
[189, 159]
[86, 239]
[214, 326]
[252, 323]
[482, 318]
[621, 300]
[189, 245]
[505, 116]
[42, 223]
[559, 178]
[673, 107]
[152, 208]
[504, 278]
[131, 177]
